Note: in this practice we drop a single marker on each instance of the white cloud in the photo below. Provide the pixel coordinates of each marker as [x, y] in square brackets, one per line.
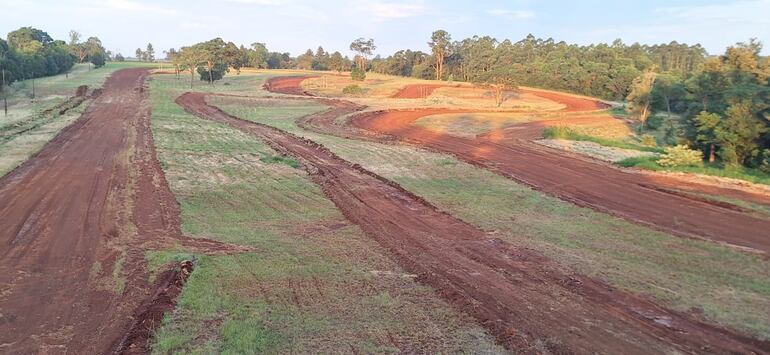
[383, 11]
[136, 6]
[740, 12]
[261, 2]
[512, 14]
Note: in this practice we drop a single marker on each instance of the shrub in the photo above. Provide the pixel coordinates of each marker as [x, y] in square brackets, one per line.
[353, 90]
[357, 74]
[557, 132]
[648, 140]
[654, 122]
[681, 155]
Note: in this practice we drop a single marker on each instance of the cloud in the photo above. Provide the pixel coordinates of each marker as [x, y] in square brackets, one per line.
[260, 2]
[740, 12]
[136, 6]
[383, 11]
[512, 14]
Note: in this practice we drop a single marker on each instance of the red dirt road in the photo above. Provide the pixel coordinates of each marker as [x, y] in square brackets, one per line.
[529, 303]
[77, 219]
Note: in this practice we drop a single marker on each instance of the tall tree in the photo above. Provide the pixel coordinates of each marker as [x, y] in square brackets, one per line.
[336, 62]
[640, 97]
[149, 53]
[258, 56]
[77, 48]
[364, 49]
[190, 58]
[440, 42]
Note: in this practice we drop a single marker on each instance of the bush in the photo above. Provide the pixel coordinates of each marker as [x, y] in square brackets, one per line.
[681, 155]
[557, 132]
[357, 74]
[353, 90]
[648, 140]
[654, 122]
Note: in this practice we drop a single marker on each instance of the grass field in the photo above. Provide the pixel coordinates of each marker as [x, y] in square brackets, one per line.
[315, 283]
[678, 273]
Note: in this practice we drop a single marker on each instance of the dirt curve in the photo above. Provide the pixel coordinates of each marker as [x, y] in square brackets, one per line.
[641, 198]
[528, 302]
[77, 219]
[417, 91]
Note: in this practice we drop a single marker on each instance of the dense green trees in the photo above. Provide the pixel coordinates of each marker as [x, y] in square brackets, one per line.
[725, 106]
[602, 70]
[32, 53]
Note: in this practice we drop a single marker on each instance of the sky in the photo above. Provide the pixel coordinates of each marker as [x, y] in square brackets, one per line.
[296, 25]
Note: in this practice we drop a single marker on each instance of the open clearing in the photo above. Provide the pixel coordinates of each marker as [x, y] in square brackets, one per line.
[304, 234]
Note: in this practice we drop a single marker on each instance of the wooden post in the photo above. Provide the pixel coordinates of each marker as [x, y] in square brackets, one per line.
[5, 97]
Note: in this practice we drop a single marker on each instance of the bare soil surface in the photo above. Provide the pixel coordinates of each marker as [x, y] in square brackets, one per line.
[77, 219]
[530, 303]
[417, 91]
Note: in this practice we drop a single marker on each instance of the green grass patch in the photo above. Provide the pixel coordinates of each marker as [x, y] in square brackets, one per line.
[563, 132]
[278, 159]
[740, 173]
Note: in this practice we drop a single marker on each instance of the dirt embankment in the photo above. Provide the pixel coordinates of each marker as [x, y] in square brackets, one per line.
[77, 219]
[528, 302]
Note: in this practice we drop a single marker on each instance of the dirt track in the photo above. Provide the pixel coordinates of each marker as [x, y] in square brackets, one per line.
[641, 198]
[528, 302]
[77, 219]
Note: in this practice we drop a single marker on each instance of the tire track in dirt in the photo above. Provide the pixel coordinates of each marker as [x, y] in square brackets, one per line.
[530, 303]
[582, 181]
[77, 219]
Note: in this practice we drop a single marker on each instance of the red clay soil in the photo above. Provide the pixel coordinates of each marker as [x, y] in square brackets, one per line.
[290, 85]
[77, 219]
[417, 91]
[530, 303]
[571, 103]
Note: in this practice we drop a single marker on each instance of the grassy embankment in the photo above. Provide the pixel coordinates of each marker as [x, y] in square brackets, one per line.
[725, 286]
[315, 283]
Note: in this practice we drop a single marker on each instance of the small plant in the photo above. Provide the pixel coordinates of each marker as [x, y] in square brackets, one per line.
[357, 74]
[648, 140]
[680, 156]
[557, 132]
[353, 90]
[277, 159]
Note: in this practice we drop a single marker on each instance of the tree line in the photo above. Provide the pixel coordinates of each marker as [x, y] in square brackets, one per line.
[30, 53]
